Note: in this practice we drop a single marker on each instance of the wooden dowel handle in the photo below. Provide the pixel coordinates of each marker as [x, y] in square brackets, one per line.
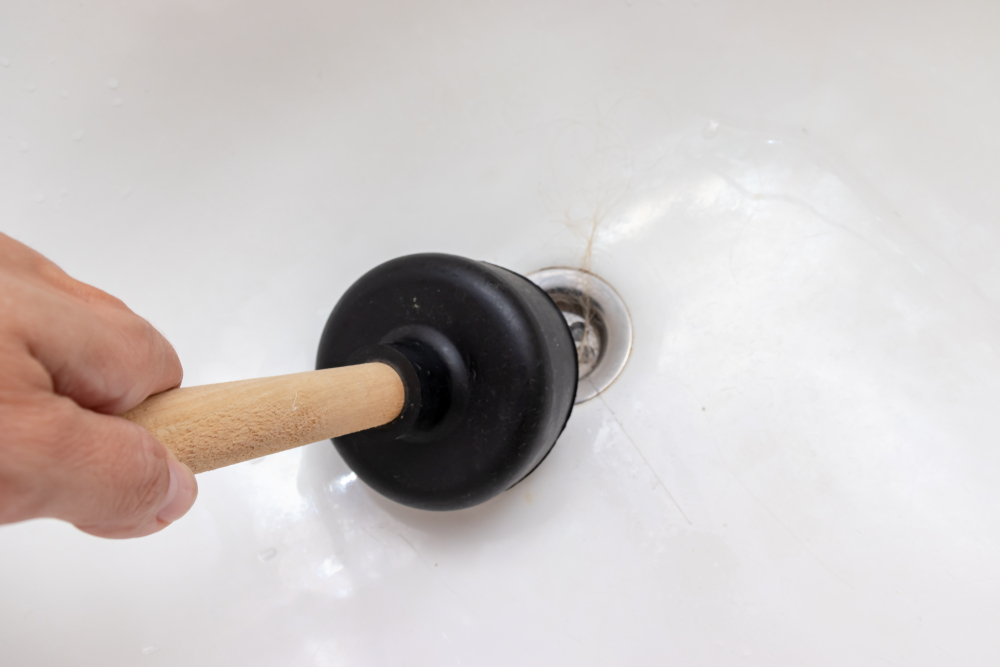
[217, 425]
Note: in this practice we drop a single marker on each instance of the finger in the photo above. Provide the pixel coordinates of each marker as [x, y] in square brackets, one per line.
[29, 262]
[101, 355]
[104, 474]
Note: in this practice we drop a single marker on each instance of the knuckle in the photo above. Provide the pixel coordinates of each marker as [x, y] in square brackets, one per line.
[160, 355]
[142, 481]
[133, 491]
[122, 470]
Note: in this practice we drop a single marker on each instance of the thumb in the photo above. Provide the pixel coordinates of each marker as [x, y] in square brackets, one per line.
[114, 479]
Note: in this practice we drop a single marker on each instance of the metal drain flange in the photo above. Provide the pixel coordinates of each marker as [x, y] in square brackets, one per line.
[599, 321]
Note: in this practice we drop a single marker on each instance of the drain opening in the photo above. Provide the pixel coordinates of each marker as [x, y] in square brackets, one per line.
[598, 321]
[586, 324]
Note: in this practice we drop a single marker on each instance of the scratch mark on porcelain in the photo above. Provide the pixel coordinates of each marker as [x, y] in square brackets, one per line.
[645, 460]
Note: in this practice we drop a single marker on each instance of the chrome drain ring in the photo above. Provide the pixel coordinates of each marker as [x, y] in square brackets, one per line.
[599, 321]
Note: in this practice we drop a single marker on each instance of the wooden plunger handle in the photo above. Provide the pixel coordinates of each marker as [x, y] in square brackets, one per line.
[217, 425]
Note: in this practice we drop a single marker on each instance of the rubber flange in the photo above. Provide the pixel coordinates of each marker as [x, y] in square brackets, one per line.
[489, 367]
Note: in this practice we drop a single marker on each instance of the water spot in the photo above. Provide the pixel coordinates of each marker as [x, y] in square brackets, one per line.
[64, 94]
[329, 567]
[267, 554]
[126, 192]
[52, 59]
[710, 130]
[78, 135]
[113, 83]
[150, 650]
[4, 62]
[39, 197]
[23, 147]
[117, 101]
[30, 87]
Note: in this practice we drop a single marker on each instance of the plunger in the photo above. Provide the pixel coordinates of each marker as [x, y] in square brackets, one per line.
[443, 381]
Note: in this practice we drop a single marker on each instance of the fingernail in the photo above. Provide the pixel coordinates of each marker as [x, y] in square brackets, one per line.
[181, 493]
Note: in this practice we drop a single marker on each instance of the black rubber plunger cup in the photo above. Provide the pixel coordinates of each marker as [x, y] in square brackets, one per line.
[490, 372]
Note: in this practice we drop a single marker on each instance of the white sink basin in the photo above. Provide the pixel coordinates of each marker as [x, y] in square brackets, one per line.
[799, 204]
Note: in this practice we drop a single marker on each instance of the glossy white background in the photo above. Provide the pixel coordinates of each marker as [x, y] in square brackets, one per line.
[798, 202]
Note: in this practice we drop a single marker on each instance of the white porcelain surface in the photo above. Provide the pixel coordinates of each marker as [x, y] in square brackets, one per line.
[797, 201]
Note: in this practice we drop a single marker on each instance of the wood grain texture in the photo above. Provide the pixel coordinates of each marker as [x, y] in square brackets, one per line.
[217, 425]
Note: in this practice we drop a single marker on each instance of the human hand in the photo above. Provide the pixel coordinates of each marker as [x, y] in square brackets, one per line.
[73, 357]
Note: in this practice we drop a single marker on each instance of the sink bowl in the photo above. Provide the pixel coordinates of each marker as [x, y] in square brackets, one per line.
[797, 202]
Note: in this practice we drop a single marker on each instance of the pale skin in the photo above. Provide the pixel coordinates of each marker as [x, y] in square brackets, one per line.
[72, 358]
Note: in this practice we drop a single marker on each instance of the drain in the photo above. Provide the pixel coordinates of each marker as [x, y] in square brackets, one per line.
[598, 320]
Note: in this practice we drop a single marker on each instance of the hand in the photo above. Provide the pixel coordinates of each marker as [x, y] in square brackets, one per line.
[72, 357]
